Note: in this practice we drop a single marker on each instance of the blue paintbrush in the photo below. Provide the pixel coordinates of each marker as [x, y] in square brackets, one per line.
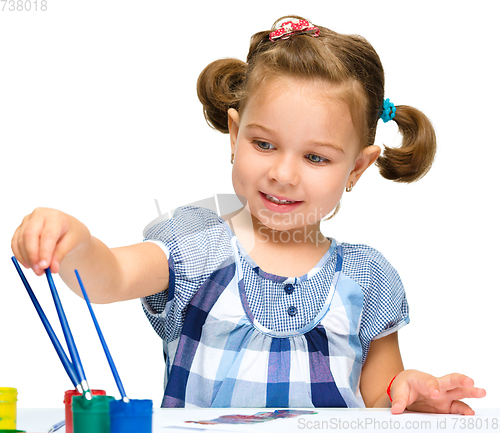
[103, 342]
[75, 357]
[68, 366]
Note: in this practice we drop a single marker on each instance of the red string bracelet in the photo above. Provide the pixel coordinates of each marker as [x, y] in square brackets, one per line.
[389, 387]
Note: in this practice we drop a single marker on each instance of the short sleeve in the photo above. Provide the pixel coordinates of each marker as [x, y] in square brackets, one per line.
[191, 240]
[385, 308]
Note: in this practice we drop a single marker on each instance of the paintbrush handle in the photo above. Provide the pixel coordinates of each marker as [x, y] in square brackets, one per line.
[73, 352]
[53, 337]
[103, 341]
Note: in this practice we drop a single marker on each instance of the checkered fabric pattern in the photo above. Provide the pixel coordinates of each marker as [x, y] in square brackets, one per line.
[235, 336]
[271, 297]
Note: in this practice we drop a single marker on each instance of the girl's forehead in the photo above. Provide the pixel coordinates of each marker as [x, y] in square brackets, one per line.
[303, 110]
[319, 90]
[284, 93]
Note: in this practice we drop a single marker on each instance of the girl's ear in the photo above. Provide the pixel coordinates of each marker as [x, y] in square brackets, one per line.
[366, 158]
[233, 120]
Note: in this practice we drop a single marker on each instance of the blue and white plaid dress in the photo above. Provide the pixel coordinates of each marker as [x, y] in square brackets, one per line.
[235, 336]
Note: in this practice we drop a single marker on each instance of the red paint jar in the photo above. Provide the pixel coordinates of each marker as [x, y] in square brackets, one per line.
[68, 396]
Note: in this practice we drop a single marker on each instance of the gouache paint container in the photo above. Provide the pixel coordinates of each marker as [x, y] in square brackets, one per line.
[136, 416]
[68, 396]
[8, 408]
[91, 416]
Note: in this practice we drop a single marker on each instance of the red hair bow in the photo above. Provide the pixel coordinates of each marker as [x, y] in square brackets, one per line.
[293, 27]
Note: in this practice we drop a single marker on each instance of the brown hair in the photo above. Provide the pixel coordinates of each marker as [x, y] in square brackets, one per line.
[345, 60]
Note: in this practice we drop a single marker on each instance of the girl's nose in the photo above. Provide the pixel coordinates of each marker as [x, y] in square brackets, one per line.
[284, 170]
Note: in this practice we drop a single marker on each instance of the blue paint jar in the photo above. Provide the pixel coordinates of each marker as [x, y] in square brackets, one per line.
[136, 416]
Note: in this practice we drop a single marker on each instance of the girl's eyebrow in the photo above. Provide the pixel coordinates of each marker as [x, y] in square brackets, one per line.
[316, 143]
[257, 126]
[332, 146]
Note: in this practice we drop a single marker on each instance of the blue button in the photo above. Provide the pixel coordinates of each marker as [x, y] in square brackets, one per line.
[292, 311]
[289, 289]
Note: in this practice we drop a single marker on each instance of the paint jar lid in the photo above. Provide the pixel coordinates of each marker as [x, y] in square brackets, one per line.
[98, 404]
[68, 395]
[133, 408]
[8, 394]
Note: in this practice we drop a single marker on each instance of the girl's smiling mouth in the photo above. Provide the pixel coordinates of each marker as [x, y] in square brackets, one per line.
[278, 203]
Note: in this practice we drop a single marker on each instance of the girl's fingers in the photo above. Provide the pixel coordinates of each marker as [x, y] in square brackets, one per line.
[38, 238]
[459, 386]
[460, 408]
[30, 242]
[398, 406]
[415, 386]
[51, 234]
[455, 380]
[460, 393]
[432, 394]
[427, 385]
[62, 248]
[401, 396]
[15, 248]
[25, 250]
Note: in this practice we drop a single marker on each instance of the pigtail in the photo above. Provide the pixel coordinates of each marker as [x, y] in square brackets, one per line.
[219, 88]
[414, 158]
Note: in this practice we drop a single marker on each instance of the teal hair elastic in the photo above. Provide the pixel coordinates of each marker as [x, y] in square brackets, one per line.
[388, 111]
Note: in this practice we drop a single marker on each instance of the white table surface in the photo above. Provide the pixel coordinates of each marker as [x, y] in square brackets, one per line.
[367, 420]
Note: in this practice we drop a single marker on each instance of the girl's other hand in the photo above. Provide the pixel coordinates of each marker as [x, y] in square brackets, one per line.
[421, 392]
[45, 237]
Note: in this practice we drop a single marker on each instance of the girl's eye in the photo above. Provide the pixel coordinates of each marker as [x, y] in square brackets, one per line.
[264, 145]
[316, 159]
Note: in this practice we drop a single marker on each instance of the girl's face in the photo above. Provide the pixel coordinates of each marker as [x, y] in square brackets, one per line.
[295, 151]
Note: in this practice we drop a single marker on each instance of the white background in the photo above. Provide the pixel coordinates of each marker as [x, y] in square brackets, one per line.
[99, 117]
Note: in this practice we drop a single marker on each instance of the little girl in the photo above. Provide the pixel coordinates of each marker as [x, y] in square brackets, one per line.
[259, 308]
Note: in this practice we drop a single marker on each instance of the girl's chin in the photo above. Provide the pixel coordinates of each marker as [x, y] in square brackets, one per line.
[289, 222]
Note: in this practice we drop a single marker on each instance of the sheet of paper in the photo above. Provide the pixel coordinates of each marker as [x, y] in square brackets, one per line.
[368, 420]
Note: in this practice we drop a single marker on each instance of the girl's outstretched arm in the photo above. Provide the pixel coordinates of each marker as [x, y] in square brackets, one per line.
[411, 389]
[48, 237]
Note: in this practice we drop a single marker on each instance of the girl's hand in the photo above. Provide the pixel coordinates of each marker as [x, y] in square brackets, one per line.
[45, 237]
[421, 392]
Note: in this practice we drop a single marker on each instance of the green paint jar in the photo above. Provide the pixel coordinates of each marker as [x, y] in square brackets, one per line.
[8, 408]
[91, 415]
[68, 413]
